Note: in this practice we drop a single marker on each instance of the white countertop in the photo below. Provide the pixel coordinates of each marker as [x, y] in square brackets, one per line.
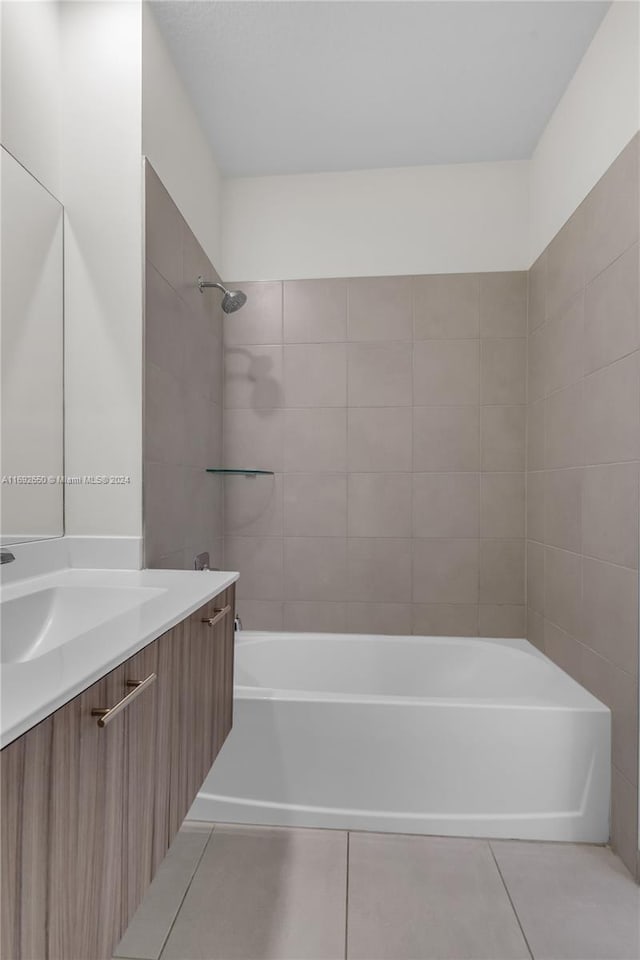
[33, 689]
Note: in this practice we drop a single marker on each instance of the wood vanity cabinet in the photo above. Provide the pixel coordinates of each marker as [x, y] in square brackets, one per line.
[88, 812]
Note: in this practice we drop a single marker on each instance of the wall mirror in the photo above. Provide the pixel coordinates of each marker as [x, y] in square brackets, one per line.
[31, 347]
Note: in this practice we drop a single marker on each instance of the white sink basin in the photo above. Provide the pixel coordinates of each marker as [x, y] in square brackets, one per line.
[37, 623]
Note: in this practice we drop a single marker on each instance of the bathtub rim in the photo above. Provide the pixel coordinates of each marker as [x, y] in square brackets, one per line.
[587, 702]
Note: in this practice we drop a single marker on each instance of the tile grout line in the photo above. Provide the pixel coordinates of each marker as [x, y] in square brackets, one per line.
[346, 903]
[182, 899]
[513, 907]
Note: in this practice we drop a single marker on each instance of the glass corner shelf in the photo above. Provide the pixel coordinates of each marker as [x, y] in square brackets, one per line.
[226, 471]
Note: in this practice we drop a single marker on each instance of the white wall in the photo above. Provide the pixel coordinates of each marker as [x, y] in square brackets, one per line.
[493, 216]
[173, 141]
[435, 219]
[102, 194]
[597, 116]
[30, 88]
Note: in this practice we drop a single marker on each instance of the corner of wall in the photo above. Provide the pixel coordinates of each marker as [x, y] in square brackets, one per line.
[174, 142]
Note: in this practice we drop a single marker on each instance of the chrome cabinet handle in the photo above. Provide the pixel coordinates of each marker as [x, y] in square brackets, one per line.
[219, 614]
[106, 714]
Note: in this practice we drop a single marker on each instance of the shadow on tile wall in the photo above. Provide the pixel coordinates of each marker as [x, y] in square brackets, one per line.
[183, 391]
[392, 411]
[583, 451]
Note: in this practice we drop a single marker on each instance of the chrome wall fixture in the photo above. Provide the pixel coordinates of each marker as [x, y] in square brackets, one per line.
[232, 299]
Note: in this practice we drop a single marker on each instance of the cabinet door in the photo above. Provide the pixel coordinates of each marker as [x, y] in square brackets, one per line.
[215, 656]
[87, 912]
[24, 778]
[142, 785]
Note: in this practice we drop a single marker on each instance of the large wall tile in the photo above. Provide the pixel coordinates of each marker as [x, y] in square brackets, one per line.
[317, 616]
[503, 304]
[564, 356]
[446, 371]
[165, 319]
[562, 589]
[563, 509]
[611, 211]
[252, 439]
[379, 618]
[379, 570]
[261, 614]
[501, 620]
[202, 357]
[165, 507]
[315, 505]
[253, 506]
[535, 576]
[380, 308]
[562, 648]
[379, 374]
[315, 439]
[564, 419]
[612, 412]
[535, 629]
[612, 312]
[502, 571]
[503, 371]
[618, 690]
[535, 435]
[446, 438]
[379, 505]
[165, 438]
[446, 505]
[566, 262]
[610, 513]
[446, 306]
[537, 293]
[253, 377]
[445, 571]
[380, 444]
[502, 505]
[379, 439]
[624, 734]
[624, 820]
[537, 360]
[445, 619]
[502, 438]
[315, 568]
[260, 320]
[610, 612]
[182, 428]
[315, 375]
[315, 311]
[535, 505]
[163, 233]
[259, 560]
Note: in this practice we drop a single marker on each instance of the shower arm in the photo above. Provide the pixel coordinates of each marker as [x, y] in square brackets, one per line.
[202, 284]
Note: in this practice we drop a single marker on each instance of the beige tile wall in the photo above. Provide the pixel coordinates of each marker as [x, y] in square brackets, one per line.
[183, 392]
[583, 451]
[392, 411]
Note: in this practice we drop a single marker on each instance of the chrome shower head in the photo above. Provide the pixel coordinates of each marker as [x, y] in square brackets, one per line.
[232, 299]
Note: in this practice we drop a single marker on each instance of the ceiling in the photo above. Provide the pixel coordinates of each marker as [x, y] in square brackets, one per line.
[306, 86]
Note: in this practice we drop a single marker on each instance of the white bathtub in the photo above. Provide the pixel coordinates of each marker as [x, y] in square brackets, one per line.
[432, 735]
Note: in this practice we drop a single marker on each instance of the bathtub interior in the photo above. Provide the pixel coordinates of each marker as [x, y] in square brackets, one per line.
[452, 668]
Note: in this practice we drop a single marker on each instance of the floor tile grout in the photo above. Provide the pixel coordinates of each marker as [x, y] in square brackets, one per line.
[188, 887]
[513, 906]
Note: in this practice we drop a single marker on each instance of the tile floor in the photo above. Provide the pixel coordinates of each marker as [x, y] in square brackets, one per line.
[248, 893]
